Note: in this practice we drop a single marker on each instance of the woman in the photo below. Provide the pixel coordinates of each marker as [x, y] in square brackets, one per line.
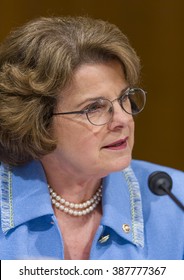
[69, 187]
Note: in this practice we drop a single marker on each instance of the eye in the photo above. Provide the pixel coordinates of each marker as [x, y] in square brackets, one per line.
[96, 106]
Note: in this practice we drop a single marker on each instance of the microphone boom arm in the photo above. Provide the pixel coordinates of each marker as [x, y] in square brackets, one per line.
[173, 197]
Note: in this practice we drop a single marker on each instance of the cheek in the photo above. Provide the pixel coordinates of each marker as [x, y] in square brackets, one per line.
[132, 128]
[76, 136]
[131, 133]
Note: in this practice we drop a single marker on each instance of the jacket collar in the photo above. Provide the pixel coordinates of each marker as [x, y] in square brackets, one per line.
[24, 194]
[122, 206]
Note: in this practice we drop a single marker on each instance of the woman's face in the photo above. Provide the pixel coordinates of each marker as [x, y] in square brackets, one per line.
[86, 149]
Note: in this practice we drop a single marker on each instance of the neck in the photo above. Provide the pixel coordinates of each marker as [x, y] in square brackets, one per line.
[69, 185]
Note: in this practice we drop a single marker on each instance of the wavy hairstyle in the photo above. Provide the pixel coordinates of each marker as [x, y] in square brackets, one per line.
[37, 62]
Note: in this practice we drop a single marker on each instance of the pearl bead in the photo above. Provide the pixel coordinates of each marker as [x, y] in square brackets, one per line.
[67, 203]
[62, 200]
[84, 205]
[57, 204]
[61, 207]
[53, 201]
[53, 194]
[88, 202]
[70, 211]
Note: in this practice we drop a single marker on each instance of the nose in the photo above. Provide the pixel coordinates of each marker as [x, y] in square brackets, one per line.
[119, 118]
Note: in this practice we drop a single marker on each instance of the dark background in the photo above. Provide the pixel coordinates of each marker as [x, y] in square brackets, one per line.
[155, 28]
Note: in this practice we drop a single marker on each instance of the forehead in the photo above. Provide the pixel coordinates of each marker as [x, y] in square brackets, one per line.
[94, 80]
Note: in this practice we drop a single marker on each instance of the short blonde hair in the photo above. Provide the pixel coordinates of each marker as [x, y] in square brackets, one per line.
[37, 61]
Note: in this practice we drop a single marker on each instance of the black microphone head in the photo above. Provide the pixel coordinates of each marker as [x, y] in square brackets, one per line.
[160, 183]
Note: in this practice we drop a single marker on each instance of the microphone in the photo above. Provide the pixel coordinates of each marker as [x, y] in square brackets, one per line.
[160, 183]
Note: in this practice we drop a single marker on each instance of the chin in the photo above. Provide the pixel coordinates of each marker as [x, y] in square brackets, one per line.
[120, 164]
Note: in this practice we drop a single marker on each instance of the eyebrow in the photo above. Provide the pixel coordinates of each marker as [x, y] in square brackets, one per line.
[100, 97]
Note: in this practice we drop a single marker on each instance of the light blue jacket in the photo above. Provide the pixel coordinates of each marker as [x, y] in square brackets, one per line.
[136, 224]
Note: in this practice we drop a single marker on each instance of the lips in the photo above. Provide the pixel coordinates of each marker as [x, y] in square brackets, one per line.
[120, 144]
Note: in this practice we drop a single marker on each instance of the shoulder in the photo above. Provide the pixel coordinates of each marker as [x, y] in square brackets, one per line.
[143, 170]
[163, 219]
[144, 167]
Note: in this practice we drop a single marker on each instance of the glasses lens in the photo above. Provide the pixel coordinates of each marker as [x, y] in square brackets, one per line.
[134, 101]
[100, 112]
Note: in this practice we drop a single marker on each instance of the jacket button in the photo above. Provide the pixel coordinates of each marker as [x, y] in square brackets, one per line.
[126, 228]
[103, 239]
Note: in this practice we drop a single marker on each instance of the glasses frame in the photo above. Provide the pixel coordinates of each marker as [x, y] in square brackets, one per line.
[119, 99]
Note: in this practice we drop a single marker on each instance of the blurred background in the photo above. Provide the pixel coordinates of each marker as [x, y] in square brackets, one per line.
[155, 28]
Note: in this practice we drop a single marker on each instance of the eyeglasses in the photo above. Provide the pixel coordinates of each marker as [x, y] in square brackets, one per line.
[101, 111]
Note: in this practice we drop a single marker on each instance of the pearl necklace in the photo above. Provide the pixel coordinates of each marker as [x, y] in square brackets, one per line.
[76, 209]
